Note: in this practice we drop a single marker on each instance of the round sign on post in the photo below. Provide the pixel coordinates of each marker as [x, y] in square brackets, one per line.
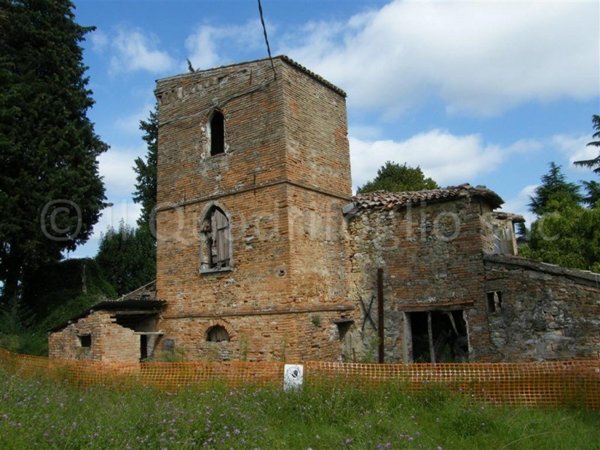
[293, 376]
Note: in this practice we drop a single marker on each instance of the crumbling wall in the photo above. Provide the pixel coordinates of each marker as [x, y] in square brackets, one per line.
[545, 312]
[431, 256]
[107, 340]
[498, 233]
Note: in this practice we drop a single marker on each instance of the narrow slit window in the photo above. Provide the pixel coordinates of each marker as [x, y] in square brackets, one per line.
[494, 301]
[217, 133]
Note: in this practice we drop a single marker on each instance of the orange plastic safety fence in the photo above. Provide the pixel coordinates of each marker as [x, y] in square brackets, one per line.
[559, 383]
[550, 384]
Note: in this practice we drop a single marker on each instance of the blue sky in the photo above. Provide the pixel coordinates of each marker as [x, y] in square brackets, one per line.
[484, 92]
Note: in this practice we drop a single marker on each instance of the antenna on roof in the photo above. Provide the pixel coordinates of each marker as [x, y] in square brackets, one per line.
[262, 21]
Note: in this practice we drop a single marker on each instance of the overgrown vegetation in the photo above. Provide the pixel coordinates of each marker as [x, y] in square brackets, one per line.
[55, 294]
[35, 413]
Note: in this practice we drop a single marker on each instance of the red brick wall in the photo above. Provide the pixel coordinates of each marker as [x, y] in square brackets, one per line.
[282, 180]
[110, 341]
[431, 257]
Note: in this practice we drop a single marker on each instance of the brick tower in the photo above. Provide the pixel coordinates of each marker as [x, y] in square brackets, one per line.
[253, 172]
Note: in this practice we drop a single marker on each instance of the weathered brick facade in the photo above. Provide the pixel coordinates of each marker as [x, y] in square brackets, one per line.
[262, 253]
[281, 180]
[445, 253]
[122, 330]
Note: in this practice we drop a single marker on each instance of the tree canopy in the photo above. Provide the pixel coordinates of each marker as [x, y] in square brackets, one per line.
[569, 236]
[393, 177]
[554, 188]
[565, 233]
[51, 193]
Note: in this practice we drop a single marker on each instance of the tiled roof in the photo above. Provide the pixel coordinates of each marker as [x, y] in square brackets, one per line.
[390, 200]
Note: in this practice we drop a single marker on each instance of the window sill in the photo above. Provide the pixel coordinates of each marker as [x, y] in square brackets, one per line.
[215, 270]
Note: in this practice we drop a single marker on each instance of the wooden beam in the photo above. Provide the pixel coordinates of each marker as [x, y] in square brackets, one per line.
[380, 315]
[430, 335]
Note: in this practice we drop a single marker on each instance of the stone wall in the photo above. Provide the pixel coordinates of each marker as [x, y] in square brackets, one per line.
[281, 181]
[545, 312]
[431, 256]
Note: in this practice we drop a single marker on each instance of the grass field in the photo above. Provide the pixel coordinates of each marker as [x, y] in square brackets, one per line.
[39, 413]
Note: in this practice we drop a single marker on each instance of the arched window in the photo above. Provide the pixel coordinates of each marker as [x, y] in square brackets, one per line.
[217, 133]
[217, 333]
[215, 249]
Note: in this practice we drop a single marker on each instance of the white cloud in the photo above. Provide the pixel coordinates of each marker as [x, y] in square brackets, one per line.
[575, 148]
[111, 216]
[446, 158]
[134, 50]
[208, 45]
[116, 168]
[99, 40]
[131, 123]
[479, 57]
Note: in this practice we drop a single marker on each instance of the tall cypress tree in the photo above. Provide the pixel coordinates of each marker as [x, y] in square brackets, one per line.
[51, 193]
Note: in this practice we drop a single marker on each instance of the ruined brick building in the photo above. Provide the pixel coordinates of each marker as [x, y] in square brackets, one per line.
[264, 254]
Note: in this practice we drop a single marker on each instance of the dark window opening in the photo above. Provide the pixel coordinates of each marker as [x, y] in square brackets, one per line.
[343, 326]
[143, 347]
[217, 133]
[85, 340]
[439, 336]
[494, 301]
[136, 322]
[215, 245]
[217, 333]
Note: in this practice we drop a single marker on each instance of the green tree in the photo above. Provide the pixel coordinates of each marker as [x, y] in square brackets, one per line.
[51, 193]
[145, 188]
[593, 163]
[569, 237]
[592, 196]
[565, 233]
[126, 257]
[554, 191]
[393, 177]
